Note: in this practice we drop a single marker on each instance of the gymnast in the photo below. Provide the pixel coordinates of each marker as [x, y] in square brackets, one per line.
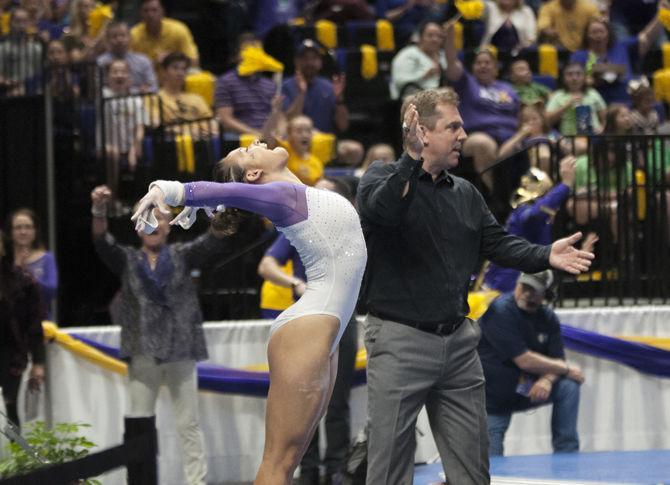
[325, 230]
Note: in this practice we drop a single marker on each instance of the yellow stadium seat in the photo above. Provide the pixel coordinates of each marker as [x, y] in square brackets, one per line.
[665, 50]
[368, 62]
[385, 36]
[201, 83]
[326, 33]
[548, 60]
[661, 82]
[185, 153]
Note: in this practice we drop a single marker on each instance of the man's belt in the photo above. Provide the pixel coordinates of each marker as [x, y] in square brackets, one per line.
[430, 327]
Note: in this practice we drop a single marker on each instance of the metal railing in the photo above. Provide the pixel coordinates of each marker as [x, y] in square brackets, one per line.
[21, 66]
[137, 453]
[621, 192]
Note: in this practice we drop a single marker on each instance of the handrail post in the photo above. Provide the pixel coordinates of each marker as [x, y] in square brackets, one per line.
[142, 467]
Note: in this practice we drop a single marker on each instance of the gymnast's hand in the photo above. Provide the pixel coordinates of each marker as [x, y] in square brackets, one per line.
[161, 193]
[144, 217]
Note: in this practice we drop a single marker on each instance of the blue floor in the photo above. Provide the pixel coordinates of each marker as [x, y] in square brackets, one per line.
[615, 467]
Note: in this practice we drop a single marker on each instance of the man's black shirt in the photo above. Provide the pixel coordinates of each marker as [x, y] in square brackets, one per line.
[424, 247]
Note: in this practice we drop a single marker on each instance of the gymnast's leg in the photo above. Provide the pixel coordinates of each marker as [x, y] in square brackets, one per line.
[302, 375]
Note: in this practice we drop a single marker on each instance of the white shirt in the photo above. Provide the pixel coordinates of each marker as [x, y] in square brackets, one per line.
[522, 18]
[410, 65]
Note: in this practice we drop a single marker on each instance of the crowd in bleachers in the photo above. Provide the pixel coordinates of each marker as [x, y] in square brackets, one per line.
[499, 55]
[327, 80]
[563, 102]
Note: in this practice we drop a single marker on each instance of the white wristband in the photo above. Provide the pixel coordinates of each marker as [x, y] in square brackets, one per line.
[173, 191]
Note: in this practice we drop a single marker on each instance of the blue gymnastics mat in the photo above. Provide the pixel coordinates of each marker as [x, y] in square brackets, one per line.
[603, 468]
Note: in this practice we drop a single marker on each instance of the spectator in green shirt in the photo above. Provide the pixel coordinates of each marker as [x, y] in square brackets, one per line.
[522, 81]
[575, 92]
[601, 183]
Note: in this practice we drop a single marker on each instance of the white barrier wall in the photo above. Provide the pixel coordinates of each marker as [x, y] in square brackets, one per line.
[620, 408]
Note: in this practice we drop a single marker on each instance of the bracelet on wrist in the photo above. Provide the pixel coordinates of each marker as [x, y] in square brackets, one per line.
[99, 213]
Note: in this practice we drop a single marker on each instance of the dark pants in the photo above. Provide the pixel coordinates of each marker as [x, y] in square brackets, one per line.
[337, 416]
[10, 386]
[409, 368]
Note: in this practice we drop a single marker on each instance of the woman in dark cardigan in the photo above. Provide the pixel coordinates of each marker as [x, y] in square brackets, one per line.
[21, 313]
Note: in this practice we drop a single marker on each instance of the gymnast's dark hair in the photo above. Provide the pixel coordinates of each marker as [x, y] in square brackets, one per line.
[227, 223]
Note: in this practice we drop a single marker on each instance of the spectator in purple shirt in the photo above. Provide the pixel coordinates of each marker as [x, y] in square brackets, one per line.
[535, 205]
[489, 107]
[142, 75]
[242, 103]
[30, 254]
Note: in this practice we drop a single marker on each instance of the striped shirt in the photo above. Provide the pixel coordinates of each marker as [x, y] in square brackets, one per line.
[249, 96]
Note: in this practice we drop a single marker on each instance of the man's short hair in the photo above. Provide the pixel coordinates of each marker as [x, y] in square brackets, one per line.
[426, 102]
[174, 57]
[112, 24]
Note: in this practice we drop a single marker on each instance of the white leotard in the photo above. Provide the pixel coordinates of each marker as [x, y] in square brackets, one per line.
[332, 248]
[322, 226]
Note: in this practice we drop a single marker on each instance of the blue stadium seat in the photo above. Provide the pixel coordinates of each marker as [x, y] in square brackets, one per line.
[545, 80]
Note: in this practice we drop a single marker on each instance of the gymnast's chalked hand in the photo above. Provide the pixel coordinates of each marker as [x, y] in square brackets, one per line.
[144, 218]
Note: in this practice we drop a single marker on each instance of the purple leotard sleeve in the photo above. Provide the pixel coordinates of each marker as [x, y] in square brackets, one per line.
[283, 203]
